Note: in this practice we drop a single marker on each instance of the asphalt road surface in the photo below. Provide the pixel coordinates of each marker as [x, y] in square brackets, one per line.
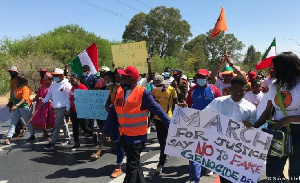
[29, 162]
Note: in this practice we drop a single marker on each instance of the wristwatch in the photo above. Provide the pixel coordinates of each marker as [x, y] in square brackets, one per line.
[17, 105]
[231, 64]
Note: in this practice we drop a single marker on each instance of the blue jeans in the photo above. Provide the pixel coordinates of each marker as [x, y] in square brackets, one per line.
[26, 114]
[115, 135]
[195, 171]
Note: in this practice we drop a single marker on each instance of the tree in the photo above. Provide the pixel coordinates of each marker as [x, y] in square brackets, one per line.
[197, 50]
[251, 57]
[214, 48]
[162, 29]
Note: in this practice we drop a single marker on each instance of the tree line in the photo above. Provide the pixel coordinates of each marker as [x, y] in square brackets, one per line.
[168, 39]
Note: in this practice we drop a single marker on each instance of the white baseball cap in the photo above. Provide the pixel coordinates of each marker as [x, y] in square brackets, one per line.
[57, 71]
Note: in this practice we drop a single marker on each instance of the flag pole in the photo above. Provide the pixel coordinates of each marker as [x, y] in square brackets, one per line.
[225, 44]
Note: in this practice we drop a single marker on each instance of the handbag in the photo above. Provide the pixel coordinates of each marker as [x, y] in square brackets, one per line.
[281, 144]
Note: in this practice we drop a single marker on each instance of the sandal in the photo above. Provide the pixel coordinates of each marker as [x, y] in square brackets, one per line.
[7, 142]
[44, 137]
[116, 173]
[95, 156]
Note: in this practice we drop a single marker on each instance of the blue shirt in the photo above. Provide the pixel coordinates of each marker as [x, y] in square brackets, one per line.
[148, 103]
[198, 98]
[90, 80]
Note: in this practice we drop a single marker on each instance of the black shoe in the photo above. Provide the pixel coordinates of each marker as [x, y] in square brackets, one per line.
[95, 137]
[49, 146]
[31, 138]
[75, 147]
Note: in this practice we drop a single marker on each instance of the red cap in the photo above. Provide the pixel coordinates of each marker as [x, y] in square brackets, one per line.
[252, 75]
[130, 71]
[43, 70]
[203, 72]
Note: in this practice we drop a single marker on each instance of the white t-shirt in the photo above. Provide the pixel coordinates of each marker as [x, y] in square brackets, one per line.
[291, 101]
[267, 82]
[59, 93]
[254, 99]
[262, 105]
[223, 88]
[238, 111]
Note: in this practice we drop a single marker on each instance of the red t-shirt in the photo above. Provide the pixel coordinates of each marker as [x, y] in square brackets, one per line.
[80, 87]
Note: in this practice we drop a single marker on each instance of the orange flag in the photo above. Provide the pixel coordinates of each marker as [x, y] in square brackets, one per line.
[220, 25]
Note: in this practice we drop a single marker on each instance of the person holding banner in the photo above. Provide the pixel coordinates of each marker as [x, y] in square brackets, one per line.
[227, 73]
[235, 106]
[59, 92]
[22, 107]
[199, 96]
[130, 110]
[287, 114]
[75, 82]
[166, 97]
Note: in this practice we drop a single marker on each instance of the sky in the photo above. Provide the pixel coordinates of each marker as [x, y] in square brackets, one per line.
[254, 22]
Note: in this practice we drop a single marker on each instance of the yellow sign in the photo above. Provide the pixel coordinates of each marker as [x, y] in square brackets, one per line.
[134, 54]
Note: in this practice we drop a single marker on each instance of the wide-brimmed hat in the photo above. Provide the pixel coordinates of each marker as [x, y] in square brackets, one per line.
[58, 71]
[159, 80]
[13, 69]
[226, 70]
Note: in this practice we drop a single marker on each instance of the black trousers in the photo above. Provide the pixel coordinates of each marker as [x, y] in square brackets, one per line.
[162, 133]
[134, 172]
[83, 124]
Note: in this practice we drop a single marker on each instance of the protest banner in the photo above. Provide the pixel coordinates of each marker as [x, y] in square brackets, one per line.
[5, 115]
[90, 104]
[134, 54]
[218, 143]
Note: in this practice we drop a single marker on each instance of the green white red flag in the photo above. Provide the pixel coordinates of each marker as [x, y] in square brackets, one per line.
[266, 60]
[89, 57]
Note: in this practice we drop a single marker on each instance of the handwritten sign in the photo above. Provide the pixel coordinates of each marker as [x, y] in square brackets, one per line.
[218, 143]
[134, 54]
[90, 104]
[5, 115]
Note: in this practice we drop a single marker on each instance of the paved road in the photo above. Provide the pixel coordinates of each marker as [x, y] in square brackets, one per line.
[25, 162]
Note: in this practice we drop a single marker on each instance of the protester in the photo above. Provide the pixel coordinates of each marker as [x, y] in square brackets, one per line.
[227, 73]
[21, 107]
[88, 79]
[14, 72]
[256, 94]
[287, 75]
[42, 72]
[166, 97]
[45, 116]
[59, 93]
[112, 130]
[180, 85]
[75, 82]
[167, 75]
[268, 81]
[130, 109]
[235, 106]
[199, 96]
[101, 82]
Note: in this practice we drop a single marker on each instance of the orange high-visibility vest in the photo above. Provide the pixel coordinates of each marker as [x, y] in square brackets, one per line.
[133, 121]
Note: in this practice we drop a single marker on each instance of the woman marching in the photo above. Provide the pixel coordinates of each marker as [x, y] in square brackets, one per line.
[287, 113]
[22, 107]
[45, 116]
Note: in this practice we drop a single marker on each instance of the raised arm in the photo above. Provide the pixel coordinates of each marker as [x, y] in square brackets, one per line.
[216, 70]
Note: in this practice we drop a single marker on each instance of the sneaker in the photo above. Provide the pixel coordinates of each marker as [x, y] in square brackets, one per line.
[31, 138]
[66, 142]
[159, 170]
[75, 147]
[209, 172]
[95, 137]
[49, 146]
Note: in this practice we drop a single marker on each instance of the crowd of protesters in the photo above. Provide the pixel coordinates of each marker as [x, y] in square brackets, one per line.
[138, 102]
